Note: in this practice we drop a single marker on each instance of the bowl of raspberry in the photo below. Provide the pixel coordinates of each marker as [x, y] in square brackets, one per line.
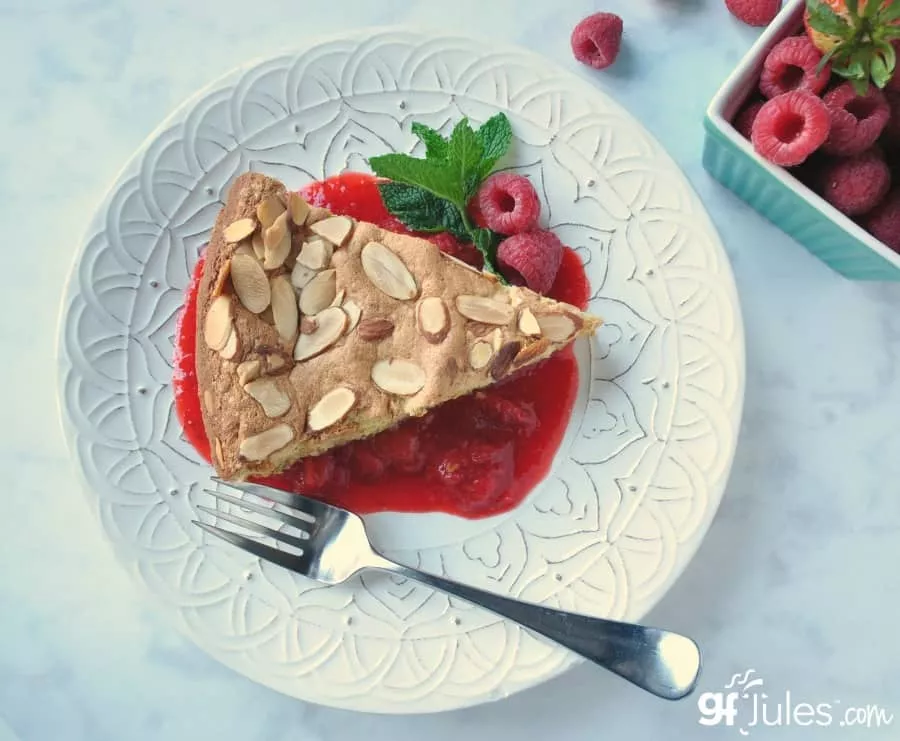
[806, 130]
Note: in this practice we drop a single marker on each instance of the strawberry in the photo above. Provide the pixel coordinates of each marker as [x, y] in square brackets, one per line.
[855, 37]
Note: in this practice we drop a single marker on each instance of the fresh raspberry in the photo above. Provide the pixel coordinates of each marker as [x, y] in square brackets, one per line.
[400, 448]
[856, 120]
[743, 122]
[467, 252]
[509, 204]
[854, 185]
[792, 65]
[883, 222]
[754, 12]
[790, 127]
[597, 39]
[531, 259]
[517, 417]
[481, 471]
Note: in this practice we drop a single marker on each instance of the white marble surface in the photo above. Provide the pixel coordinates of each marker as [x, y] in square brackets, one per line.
[797, 578]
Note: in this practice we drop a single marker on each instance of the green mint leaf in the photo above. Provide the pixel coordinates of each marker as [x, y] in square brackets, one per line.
[871, 9]
[487, 241]
[853, 8]
[495, 135]
[464, 159]
[881, 75]
[889, 13]
[422, 211]
[435, 177]
[436, 146]
[824, 19]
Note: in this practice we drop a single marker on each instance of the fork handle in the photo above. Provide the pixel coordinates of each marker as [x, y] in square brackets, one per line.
[665, 664]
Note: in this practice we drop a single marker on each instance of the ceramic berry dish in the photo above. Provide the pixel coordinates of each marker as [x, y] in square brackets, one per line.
[830, 197]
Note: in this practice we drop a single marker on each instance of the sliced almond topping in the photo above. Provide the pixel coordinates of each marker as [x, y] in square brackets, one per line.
[284, 307]
[275, 363]
[354, 312]
[480, 355]
[375, 330]
[220, 456]
[301, 275]
[299, 209]
[208, 401]
[331, 408]
[239, 230]
[504, 359]
[486, 310]
[231, 347]
[222, 279]
[528, 324]
[400, 377]
[217, 327]
[259, 246]
[316, 254]
[388, 272]
[250, 283]
[335, 229]
[273, 236]
[248, 371]
[245, 248]
[261, 446]
[533, 351]
[330, 325]
[433, 319]
[273, 400]
[339, 298]
[497, 339]
[556, 327]
[269, 210]
[319, 293]
[276, 256]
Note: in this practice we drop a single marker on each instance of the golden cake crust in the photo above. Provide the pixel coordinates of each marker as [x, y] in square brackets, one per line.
[392, 327]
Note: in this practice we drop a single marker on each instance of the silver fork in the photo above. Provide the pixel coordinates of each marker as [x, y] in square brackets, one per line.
[332, 546]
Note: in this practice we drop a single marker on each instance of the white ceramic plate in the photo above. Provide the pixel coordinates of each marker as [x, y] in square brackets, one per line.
[643, 465]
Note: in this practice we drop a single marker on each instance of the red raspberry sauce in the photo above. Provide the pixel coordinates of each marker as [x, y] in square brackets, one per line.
[473, 457]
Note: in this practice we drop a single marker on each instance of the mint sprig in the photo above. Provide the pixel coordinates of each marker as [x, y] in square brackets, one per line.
[432, 194]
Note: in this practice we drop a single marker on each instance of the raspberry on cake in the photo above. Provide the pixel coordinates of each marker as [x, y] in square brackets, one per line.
[315, 330]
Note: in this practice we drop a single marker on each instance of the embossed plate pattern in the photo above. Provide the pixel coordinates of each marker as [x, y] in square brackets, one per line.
[646, 456]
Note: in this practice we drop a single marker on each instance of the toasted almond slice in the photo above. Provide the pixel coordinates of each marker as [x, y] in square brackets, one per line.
[319, 293]
[239, 230]
[245, 248]
[532, 352]
[480, 355]
[375, 329]
[301, 275]
[331, 408]
[276, 256]
[388, 272]
[250, 283]
[335, 229]
[259, 246]
[528, 324]
[275, 362]
[273, 400]
[556, 327]
[231, 347]
[217, 327]
[284, 307]
[504, 359]
[248, 371]
[330, 324]
[261, 446]
[220, 456]
[339, 298]
[298, 208]
[354, 312]
[268, 210]
[400, 377]
[274, 234]
[433, 319]
[496, 339]
[316, 253]
[486, 310]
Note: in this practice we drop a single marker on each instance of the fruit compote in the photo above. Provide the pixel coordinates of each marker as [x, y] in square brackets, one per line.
[477, 456]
